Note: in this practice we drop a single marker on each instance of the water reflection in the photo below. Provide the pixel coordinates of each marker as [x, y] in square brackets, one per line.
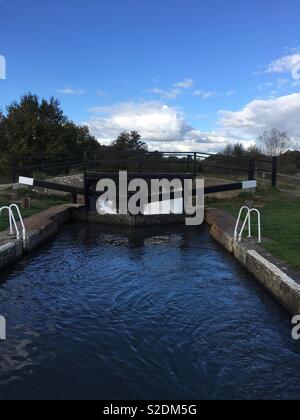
[155, 312]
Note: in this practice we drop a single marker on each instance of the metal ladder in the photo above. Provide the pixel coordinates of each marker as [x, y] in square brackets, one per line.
[239, 234]
[12, 220]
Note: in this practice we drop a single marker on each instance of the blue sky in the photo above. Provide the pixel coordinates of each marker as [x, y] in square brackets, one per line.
[188, 74]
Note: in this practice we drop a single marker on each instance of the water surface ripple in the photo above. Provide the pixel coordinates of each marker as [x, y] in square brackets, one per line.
[155, 313]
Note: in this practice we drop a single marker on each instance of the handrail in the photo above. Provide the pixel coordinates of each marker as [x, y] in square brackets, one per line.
[11, 220]
[20, 219]
[238, 222]
[238, 236]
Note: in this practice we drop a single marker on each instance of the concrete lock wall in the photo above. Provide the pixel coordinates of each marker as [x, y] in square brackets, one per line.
[266, 269]
[39, 229]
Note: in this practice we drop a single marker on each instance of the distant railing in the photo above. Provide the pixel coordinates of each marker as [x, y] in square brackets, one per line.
[107, 160]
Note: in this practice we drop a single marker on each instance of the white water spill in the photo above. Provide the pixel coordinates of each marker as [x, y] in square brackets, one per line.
[162, 207]
[165, 207]
[106, 207]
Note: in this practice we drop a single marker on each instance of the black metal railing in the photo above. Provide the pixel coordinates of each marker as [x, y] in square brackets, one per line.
[107, 160]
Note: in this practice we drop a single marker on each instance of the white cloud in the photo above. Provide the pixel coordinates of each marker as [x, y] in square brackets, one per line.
[265, 85]
[289, 63]
[281, 83]
[205, 94]
[277, 84]
[202, 116]
[230, 92]
[167, 94]
[185, 84]
[70, 91]
[175, 91]
[259, 115]
[161, 126]
[165, 128]
[154, 120]
[283, 64]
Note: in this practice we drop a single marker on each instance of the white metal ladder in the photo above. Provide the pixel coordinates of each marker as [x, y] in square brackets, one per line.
[12, 220]
[239, 234]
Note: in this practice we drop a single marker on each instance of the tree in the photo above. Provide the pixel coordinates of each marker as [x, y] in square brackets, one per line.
[273, 142]
[136, 143]
[253, 152]
[39, 128]
[239, 150]
[228, 151]
[127, 143]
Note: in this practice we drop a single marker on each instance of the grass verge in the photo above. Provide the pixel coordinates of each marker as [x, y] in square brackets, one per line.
[39, 203]
[280, 221]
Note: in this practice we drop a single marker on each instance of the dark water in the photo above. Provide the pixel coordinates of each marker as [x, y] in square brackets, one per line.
[158, 313]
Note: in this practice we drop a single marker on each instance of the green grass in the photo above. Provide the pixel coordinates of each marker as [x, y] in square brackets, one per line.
[39, 203]
[280, 221]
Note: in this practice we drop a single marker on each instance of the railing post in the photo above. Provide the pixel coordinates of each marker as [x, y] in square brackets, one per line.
[14, 171]
[251, 172]
[195, 165]
[87, 193]
[274, 170]
[84, 163]
[189, 161]
[85, 181]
